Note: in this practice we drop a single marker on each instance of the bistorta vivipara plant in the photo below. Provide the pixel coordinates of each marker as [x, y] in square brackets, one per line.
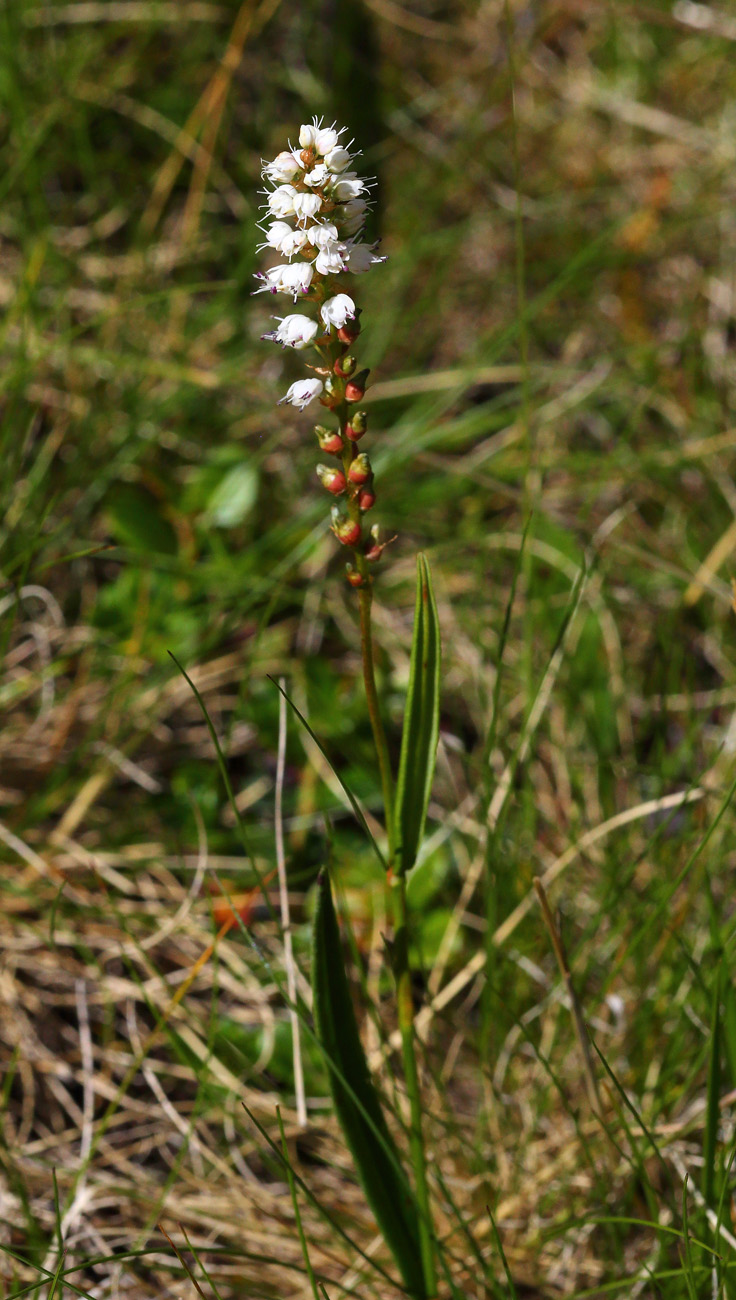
[316, 206]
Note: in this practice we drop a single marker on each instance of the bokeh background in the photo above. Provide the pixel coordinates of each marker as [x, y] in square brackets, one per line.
[552, 422]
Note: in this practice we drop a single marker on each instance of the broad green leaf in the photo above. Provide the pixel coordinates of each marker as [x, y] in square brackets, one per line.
[421, 725]
[356, 1102]
[234, 497]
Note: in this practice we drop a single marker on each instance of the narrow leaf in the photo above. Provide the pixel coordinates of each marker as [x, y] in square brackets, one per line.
[712, 1113]
[355, 1099]
[421, 725]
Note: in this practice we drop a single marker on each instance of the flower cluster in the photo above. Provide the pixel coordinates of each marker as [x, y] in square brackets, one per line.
[315, 217]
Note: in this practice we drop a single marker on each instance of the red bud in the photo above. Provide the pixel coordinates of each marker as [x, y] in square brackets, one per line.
[350, 330]
[329, 440]
[332, 479]
[373, 548]
[360, 470]
[346, 530]
[366, 499]
[355, 388]
[354, 578]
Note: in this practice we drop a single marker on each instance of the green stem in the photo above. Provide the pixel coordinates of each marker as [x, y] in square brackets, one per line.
[405, 1010]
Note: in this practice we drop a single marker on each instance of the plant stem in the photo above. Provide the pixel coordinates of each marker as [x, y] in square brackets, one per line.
[402, 971]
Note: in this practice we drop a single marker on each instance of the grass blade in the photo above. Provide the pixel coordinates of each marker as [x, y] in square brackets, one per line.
[356, 1102]
[421, 724]
[710, 1139]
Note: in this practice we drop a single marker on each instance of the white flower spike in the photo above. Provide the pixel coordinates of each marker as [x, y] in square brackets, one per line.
[319, 205]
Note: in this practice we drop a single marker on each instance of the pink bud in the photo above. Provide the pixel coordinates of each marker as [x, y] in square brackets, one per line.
[360, 470]
[350, 330]
[329, 440]
[346, 530]
[355, 388]
[332, 479]
[357, 426]
[374, 549]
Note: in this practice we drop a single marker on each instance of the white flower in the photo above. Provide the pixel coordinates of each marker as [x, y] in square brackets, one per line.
[281, 201]
[319, 175]
[293, 331]
[335, 311]
[307, 135]
[296, 278]
[271, 279]
[359, 257]
[352, 216]
[336, 160]
[293, 242]
[276, 234]
[326, 139]
[330, 260]
[303, 392]
[283, 168]
[285, 240]
[306, 206]
[292, 277]
[322, 236]
[347, 187]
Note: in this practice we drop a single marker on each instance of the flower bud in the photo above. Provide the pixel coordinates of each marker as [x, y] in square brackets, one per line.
[333, 394]
[329, 440]
[366, 498]
[360, 470]
[374, 549]
[348, 332]
[346, 530]
[354, 578]
[332, 479]
[344, 366]
[357, 426]
[355, 387]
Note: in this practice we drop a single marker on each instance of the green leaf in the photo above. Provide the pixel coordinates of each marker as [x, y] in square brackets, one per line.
[421, 725]
[234, 497]
[356, 1102]
[729, 1030]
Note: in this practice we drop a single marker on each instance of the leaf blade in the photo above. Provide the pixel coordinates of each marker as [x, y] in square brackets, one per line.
[355, 1099]
[421, 724]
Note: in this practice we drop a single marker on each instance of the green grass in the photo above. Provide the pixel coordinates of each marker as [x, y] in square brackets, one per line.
[154, 499]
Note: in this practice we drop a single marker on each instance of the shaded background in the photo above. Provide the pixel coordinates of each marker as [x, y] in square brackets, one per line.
[552, 333]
